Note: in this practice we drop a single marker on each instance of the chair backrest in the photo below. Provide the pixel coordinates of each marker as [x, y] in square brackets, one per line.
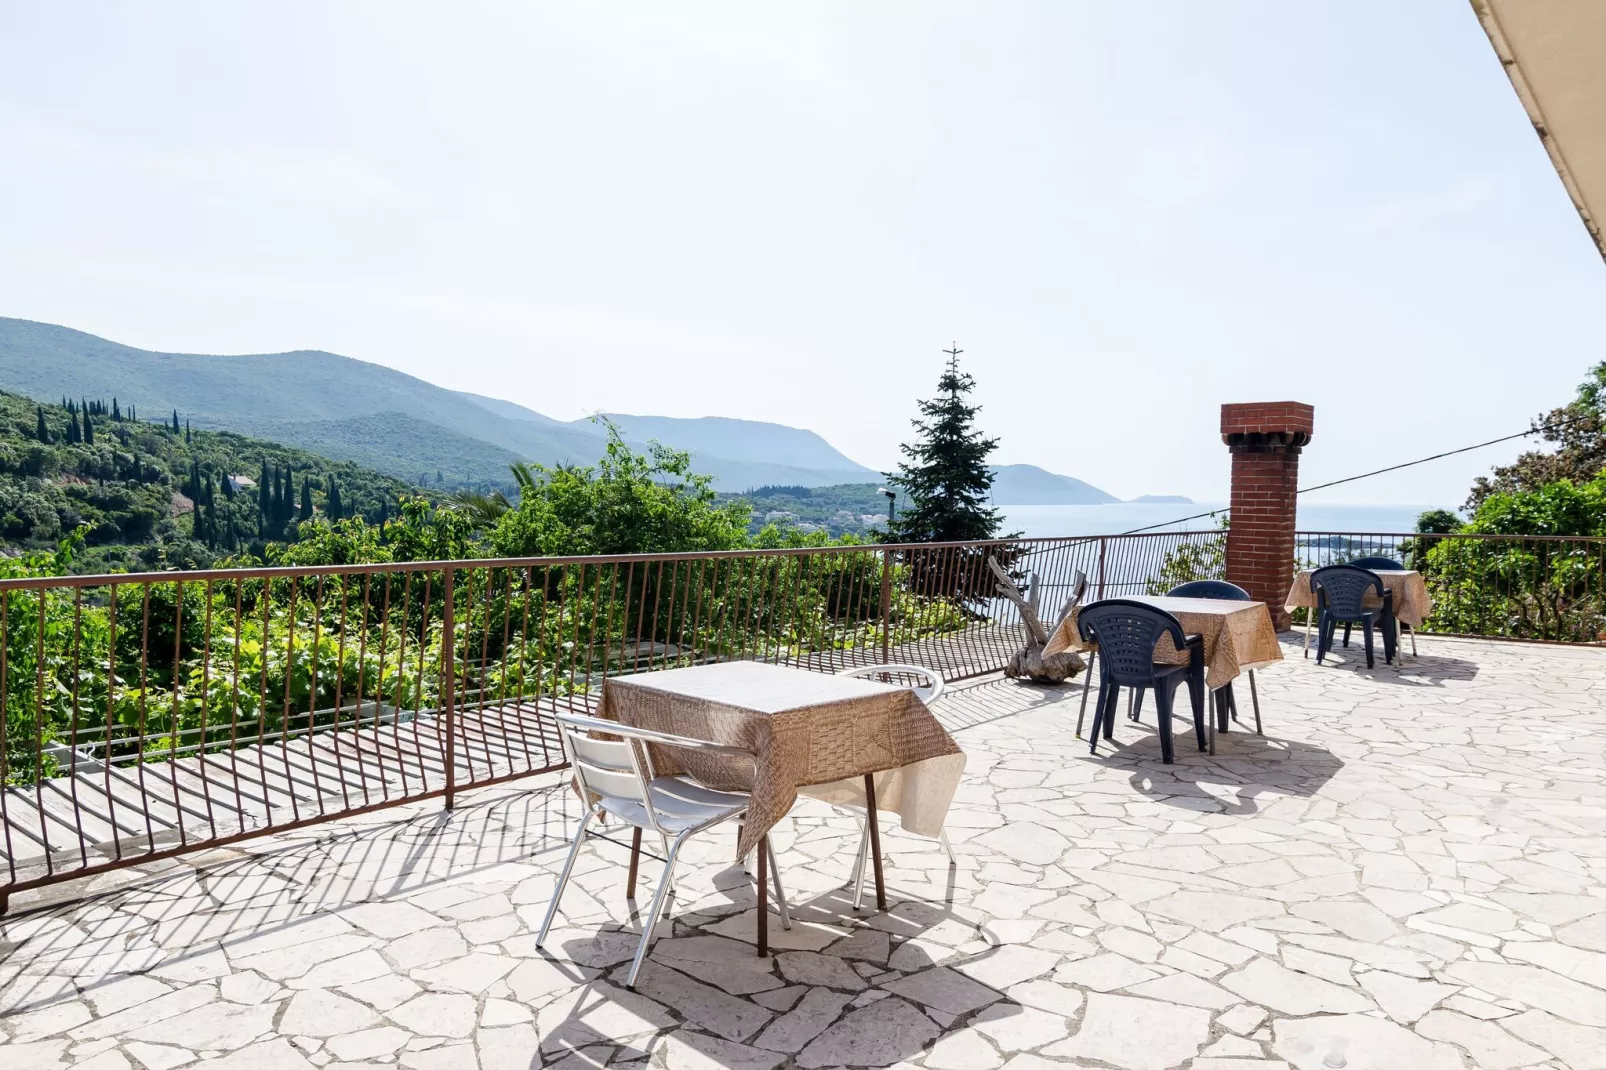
[1377, 564]
[1210, 589]
[620, 769]
[1342, 589]
[1126, 633]
[928, 692]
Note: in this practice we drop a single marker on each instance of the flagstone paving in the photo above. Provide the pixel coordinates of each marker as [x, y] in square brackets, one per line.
[1407, 871]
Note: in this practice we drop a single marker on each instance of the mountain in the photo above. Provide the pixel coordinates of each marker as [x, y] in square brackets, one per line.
[1027, 484]
[353, 410]
[389, 421]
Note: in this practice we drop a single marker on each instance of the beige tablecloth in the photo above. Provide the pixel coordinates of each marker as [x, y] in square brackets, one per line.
[1412, 603]
[810, 731]
[1237, 635]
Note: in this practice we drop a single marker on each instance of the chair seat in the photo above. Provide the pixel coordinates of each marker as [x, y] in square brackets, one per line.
[680, 803]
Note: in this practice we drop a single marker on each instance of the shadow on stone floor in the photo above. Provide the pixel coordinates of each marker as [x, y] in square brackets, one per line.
[705, 970]
[1244, 768]
[1426, 670]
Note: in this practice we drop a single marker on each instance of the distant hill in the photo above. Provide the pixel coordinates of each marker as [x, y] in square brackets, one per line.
[1162, 499]
[401, 425]
[1027, 484]
[413, 430]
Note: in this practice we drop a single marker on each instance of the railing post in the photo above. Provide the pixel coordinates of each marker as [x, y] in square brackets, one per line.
[886, 606]
[449, 692]
[1102, 543]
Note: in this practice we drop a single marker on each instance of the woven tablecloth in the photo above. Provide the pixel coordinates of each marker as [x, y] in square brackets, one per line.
[810, 731]
[1412, 603]
[1251, 639]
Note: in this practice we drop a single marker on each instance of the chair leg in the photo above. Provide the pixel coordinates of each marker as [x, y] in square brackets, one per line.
[857, 877]
[1162, 705]
[953, 859]
[1087, 683]
[1366, 627]
[1254, 698]
[781, 906]
[1134, 706]
[1232, 701]
[1391, 638]
[1346, 634]
[1197, 697]
[1108, 696]
[1310, 611]
[650, 922]
[563, 878]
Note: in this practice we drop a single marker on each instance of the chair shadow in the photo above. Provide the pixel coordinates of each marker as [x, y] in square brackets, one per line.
[1246, 764]
[826, 925]
[1424, 670]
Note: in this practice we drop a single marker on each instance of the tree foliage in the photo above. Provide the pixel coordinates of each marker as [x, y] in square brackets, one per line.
[945, 477]
[1578, 430]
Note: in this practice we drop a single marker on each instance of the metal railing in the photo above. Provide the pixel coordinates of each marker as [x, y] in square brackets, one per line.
[150, 714]
[1539, 588]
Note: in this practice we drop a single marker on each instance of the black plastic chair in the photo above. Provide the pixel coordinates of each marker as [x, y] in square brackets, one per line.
[1341, 592]
[1127, 634]
[1377, 564]
[1233, 593]
[1384, 564]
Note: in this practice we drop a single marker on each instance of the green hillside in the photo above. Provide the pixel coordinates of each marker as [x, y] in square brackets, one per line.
[136, 485]
[335, 405]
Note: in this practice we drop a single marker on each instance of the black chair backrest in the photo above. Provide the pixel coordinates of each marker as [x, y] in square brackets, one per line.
[1343, 589]
[1210, 589]
[1126, 633]
[1384, 564]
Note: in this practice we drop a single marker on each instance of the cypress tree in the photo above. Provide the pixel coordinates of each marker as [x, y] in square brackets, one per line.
[306, 500]
[264, 502]
[73, 433]
[228, 486]
[175, 421]
[945, 475]
[186, 432]
[116, 414]
[41, 432]
[89, 430]
[333, 506]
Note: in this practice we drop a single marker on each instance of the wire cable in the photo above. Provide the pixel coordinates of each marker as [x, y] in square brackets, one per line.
[1534, 430]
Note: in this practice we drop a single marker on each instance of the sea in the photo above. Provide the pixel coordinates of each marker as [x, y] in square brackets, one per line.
[1048, 521]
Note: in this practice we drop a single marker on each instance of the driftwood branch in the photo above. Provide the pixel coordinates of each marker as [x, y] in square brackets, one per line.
[1030, 662]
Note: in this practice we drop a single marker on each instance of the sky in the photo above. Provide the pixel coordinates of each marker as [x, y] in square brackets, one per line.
[1125, 214]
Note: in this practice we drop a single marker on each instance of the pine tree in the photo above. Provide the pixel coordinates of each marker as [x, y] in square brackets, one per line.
[332, 506]
[41, 432]
[306, 500]
[945, 477]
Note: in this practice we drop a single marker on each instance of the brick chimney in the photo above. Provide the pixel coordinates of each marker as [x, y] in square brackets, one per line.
[1264, 438]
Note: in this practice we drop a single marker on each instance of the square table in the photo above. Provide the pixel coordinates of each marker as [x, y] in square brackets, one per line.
[1412, 603]
[810, 730]
[1237, 635]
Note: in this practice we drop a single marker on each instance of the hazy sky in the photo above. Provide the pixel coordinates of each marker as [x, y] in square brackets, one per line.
[1126, 213]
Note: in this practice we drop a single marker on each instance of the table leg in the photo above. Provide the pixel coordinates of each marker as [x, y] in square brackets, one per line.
[635, 863]
[763, 896]
[875, 841]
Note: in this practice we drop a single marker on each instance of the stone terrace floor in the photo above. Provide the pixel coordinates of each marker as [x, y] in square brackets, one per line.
[1406, 872]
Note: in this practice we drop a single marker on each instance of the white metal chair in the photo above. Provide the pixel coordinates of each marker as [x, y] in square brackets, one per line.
[927, 693]
[616, 778]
